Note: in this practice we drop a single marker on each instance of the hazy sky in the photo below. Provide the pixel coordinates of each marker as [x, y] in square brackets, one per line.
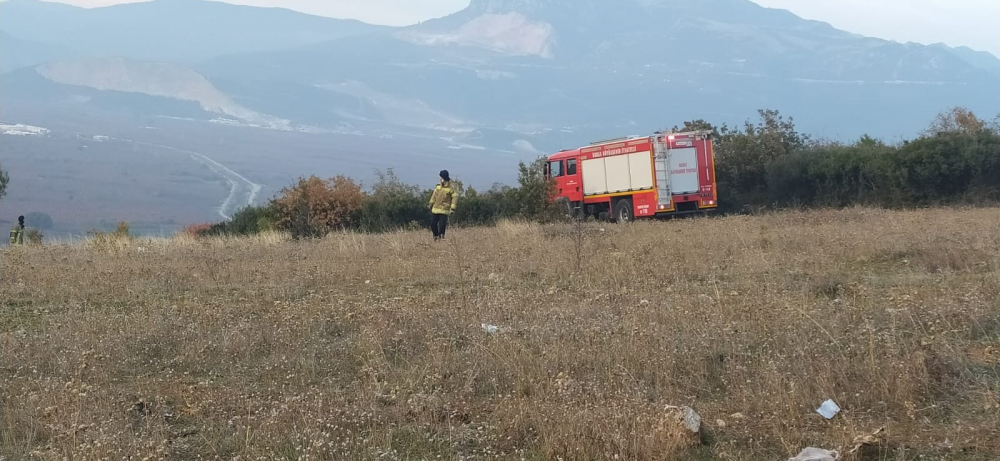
[973, 23]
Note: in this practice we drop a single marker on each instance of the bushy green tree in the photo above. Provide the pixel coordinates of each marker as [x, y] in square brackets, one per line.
[485, 208]
[696, 125]
[947, 167]
[393, 204]
[833, 174]
[743, 156]
[533, 198]
[251, 220]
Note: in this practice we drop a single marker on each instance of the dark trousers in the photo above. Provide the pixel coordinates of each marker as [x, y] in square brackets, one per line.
[439, 224]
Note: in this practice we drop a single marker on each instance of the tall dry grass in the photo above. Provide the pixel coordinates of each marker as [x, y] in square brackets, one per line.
[370, 347]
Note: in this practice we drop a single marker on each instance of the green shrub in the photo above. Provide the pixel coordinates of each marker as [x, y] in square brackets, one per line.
[393, 204]
[248, 221]
[34, 237]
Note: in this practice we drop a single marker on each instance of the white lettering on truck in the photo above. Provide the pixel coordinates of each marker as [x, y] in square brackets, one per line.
[683, 169]
[618, 151]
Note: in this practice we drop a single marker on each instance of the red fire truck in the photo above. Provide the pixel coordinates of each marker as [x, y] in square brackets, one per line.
[637, 177]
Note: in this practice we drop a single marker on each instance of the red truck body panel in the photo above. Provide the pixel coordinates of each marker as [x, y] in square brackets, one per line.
[662, 174]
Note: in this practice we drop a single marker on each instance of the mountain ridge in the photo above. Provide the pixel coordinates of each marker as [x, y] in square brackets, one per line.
[16, 53]
[567, 67]
[171, 30]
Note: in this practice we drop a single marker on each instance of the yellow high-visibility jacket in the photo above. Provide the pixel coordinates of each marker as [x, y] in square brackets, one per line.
[16, 235]
[444, 199]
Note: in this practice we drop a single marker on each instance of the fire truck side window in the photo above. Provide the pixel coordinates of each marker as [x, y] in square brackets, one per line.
[555, 169]
[571, 167]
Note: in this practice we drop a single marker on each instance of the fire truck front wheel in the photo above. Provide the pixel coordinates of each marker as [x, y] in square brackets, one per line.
[623, 211]
[566, 207]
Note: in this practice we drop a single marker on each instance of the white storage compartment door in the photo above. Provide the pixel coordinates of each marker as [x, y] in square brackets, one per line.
[595, 181]
[640, 166]
[684, 171]
[619, 177]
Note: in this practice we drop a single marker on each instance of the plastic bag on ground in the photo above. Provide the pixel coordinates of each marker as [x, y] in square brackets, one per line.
[816, 454]
[828, 409]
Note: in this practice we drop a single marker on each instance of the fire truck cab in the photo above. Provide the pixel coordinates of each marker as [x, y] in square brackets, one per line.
[666, 174]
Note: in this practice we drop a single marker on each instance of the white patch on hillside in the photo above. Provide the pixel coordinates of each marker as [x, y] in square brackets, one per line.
[155, 79]
[495, 75]
[530, 129]
[458, 145]
[395, 110]
[912, 82]
[524, 146]
[22, 130]
[511, 33]
[466, 147]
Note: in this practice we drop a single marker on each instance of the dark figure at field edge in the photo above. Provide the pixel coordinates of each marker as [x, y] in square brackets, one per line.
[443, 202]
[17, 232]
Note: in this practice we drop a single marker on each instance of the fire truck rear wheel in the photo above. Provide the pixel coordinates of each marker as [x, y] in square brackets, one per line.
[623, 211]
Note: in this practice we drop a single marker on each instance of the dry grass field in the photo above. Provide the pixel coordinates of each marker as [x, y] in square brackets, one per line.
[371, 347]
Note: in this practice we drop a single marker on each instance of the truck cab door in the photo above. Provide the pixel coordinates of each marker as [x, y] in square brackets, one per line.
[572, 186]
[555, 170]
[569, 181]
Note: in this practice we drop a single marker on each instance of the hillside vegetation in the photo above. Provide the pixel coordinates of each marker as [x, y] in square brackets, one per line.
[764, 164]
[372, 346]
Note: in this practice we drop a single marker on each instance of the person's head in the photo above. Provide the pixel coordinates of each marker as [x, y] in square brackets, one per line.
[20, 220]
[445, 177]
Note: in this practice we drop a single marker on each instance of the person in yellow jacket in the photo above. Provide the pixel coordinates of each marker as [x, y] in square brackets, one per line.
[443, 202]
[17, 232]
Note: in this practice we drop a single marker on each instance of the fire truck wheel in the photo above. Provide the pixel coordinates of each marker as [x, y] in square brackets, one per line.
[623, 211]
[565, 206]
